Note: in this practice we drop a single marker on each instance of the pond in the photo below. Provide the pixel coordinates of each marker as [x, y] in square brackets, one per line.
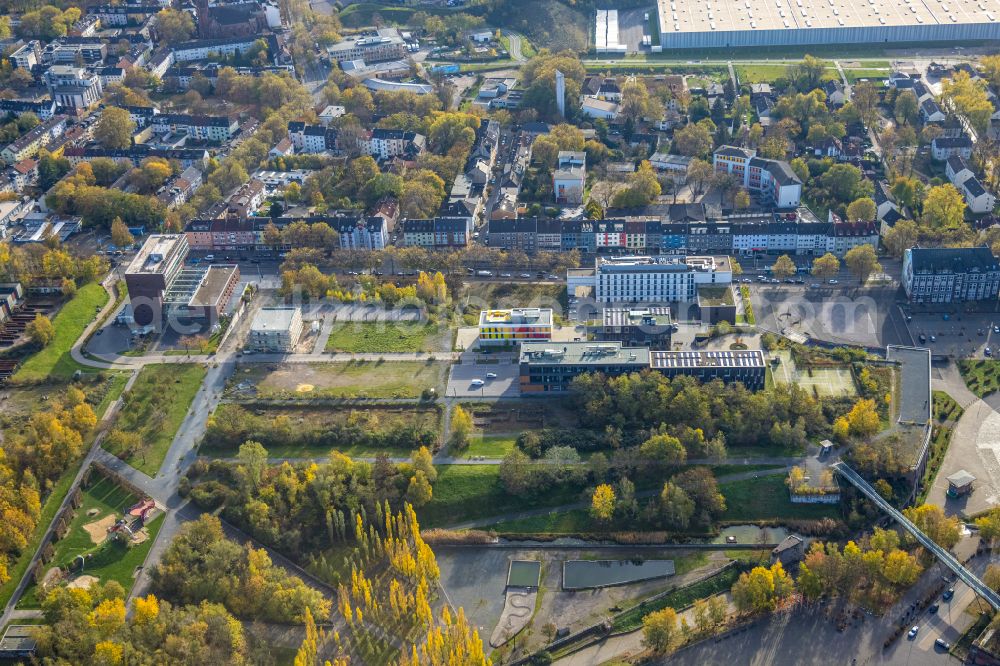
[582, 574]
[523, 573]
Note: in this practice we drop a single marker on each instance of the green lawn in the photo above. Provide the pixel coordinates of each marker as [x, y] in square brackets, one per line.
[766, 498]
[467, 492]
[117, 383]
[981, 376]
[54, 361]
[50, 506]
[377, 337]
[491, 446]
[154, 409]
[946, 414]
[867, 73]
[110, 560]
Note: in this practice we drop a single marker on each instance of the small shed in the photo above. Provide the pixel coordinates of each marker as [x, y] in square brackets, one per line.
[825, 447]
[960, 483]
[791, 549]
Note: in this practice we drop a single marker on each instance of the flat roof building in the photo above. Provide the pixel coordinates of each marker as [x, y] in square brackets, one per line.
[511, 327]
[275, 329]
[151, 272]
[716, 24]
[954, 274]
[641, 326]
[551, 367]
[657, 279]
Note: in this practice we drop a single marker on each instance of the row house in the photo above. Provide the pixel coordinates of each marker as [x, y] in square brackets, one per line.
[44, 110]
[136, 154]
[36, 138]
[207, 128]
[439, 232]
[177, 191]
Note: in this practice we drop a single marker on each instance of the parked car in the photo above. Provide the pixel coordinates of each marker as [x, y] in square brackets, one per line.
[943, 644]
[833, 281]
[913, 631]
[933, 338]
[933, 608]
[477, 382]
[491, 375]
[950, 592]
[506, 275]
[525, 276]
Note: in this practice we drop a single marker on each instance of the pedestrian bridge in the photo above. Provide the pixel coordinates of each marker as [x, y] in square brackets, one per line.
[944, 555]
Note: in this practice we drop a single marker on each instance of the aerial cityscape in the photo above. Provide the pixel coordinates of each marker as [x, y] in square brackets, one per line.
[468, 332]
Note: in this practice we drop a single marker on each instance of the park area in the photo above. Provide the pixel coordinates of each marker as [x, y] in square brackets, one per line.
[348, 380]
[152, 413]
[96, 547]
[310, 431]
[821, 380]
[54, 361]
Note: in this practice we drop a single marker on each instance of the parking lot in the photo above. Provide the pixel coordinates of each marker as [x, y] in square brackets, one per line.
[465, 377]
[958, 334]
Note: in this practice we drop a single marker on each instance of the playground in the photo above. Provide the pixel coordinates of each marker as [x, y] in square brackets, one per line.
[822, 381]
[108, 538]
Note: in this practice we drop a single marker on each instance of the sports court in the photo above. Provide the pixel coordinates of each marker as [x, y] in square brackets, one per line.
[822, 381]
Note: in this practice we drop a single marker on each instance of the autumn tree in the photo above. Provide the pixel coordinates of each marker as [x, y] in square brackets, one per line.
[661, 632]
[602, 503]
[826, 266]
[114, 129]
[422, 461]
[676, 506]
[862, 210]
[120, 235]
[902, 236]
[862, 262]
[944, 207]
[783, 267]
[40, 330]
[461, 427]
[761, 588]
[663, 449]
[419, 492]
[932, 521]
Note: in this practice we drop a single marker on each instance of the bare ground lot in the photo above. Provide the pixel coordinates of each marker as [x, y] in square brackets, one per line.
[475, 578]
[354, 379]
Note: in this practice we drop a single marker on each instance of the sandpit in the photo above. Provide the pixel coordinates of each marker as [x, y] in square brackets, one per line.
[93, 512]
[98, 530]
[140, 536]
[83, 582]
[304, 388]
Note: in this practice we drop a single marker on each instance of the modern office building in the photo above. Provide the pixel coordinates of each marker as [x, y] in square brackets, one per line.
[633, 327]
[662, 279]
[949, 275]
[153, 269]
[275, 329]
[387, 44]
[551, 367]
[511, 327]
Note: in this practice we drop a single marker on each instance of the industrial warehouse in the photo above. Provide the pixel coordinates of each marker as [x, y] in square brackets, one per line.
[753, 23]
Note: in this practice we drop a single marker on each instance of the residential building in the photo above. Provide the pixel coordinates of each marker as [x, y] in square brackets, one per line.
[246, 200]
[18, 107]
[597, 108]
[515, 326]
[931, 112]
[206, 128]
[34, 139]
[367, 233]
[676, 166]
[948, 275]
[772, 179]
[944, 147]
[384, 144]
[552, 366]
[570, 177]
[176, 192]
[275, 330]
[440, 232]
[977, 197]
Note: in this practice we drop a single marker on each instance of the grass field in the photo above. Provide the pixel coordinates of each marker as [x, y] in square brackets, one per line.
[821, 381]
[757, 73]
[467, 492]
[377, 337]
[355, 379]
[491, 446]
[981, 376]
[54, 361]
[361, 14]
[154, 409]
[49, 508]
[867, 73]
[110, 560]
[766, 498]
[116, 384]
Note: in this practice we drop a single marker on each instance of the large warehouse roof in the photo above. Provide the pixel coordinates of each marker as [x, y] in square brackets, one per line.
[680, 16]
